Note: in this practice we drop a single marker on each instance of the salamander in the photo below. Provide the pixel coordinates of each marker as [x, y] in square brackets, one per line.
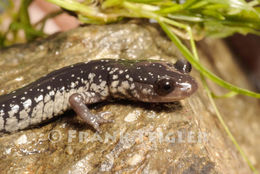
[76, 86]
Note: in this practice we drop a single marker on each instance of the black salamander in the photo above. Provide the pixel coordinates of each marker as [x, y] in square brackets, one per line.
[75, 86]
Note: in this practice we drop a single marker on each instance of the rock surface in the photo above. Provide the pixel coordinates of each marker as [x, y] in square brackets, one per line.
[182, 137]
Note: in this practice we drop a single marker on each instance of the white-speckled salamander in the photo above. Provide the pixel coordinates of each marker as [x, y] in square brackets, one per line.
[91, 82]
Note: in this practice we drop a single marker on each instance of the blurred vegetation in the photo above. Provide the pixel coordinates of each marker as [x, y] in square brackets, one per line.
[20, 28]
[215, 18]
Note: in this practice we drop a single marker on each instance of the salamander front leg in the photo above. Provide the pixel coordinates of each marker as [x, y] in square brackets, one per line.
[78, 104]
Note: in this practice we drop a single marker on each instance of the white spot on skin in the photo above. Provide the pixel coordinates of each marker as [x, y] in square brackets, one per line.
[103, 84]
[91, 77]
[72, 85]
[112, 71]
[132, 86]
[114, 84]
[125, 84]
[14, 96]
[72, 75]
[94, 87]
[121, 71]
[51, 93]
[14, 110]
[115, 77]
[146, 91]
[47, 98]
[27, 103]
[49, 87]
[136, 94]
[104, 92]
[23, 98]
[2, 113]
[38, 99]
[127, 76]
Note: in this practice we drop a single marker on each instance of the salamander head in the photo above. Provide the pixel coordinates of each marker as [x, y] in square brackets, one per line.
[157, 81]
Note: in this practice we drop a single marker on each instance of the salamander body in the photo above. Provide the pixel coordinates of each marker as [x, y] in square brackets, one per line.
[76, 86]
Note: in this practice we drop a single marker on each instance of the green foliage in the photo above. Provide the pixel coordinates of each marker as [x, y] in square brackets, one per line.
[20, 21]
[215, 18]
[218, 18]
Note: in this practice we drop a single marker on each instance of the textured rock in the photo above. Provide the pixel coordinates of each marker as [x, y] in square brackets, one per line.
[181, 137]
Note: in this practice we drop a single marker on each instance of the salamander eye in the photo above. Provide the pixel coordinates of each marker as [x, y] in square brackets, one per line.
[164, 86]
[183, 66]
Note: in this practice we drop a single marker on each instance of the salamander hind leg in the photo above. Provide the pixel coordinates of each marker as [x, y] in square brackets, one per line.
[78, 104]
